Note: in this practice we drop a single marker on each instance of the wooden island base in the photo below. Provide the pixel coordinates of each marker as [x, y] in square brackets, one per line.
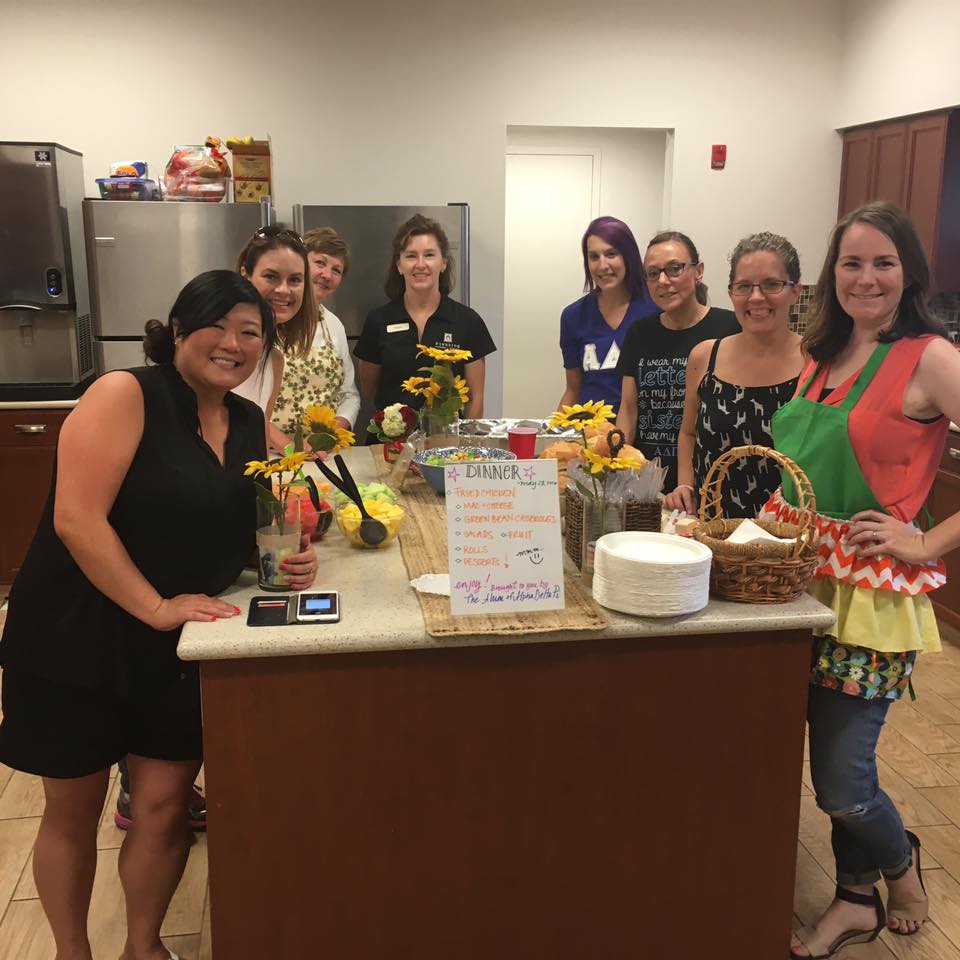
[596, 800]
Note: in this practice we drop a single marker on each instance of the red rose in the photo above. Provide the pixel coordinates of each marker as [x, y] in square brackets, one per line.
[378, 418]
[409, 416]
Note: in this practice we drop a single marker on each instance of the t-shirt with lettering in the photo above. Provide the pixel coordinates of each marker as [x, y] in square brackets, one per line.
[656, 357]
[589, 343]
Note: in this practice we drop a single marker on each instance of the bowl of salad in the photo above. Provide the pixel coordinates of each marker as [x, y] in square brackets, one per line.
[433, 463]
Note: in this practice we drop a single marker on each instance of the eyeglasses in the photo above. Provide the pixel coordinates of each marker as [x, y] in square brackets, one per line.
[769, 287]
[274, 232]
[672, 270]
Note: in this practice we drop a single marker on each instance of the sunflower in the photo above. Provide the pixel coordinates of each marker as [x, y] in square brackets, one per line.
[460, 385]
[443, 354]
[257, 466]
[292, 461]
[317, 417]
[416, 385]
[600, 464]
[323, 432]
[594, 413]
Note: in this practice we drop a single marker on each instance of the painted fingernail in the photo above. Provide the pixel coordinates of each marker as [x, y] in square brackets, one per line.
[212, 619]
[236, 609]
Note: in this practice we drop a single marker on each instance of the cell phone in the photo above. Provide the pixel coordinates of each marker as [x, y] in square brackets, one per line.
[318, 607]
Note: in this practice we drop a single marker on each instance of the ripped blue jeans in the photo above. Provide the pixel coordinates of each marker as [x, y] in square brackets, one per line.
[868, 836]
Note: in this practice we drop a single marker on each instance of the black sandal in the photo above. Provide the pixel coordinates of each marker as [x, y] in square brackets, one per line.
[915, 910]
[821, 949]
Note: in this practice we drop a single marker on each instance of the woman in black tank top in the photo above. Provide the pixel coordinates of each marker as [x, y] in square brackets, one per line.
[735, 384]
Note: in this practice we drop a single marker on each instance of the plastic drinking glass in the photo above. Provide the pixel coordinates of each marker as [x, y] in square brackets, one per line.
[522, 441]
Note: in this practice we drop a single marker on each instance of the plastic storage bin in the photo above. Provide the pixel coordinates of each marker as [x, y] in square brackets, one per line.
[128, 188]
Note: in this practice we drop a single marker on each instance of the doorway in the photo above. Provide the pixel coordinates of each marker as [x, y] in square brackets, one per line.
[558, 179]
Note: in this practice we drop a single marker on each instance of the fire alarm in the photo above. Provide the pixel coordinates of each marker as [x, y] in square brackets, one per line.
[718, 156]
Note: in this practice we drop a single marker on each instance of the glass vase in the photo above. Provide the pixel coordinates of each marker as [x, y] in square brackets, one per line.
[599, 517]
[278, 537]
[440, 430]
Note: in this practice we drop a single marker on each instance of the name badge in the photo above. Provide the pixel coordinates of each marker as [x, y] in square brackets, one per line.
[397, 327]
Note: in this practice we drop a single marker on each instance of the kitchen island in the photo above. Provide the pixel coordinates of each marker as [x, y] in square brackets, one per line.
[374, 792]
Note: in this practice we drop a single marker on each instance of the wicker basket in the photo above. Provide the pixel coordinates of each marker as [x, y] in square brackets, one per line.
[758, 572]
[635, 515]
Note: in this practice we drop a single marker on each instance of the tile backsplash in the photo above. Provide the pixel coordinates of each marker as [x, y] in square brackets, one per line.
[944, 306]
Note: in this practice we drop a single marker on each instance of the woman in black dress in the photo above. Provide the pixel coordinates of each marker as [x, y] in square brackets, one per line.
[149, 517]
[735, 384]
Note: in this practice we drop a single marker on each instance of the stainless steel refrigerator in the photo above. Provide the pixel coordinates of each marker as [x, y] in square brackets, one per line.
[46, 350]
[370, 230]
[141, 255]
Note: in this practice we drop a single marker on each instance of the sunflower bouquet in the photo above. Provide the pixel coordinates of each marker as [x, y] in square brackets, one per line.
[444, 393]
[319, 428]
[604, 453]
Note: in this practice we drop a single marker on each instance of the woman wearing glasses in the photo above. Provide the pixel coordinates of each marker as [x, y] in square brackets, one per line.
[275, 262]
[593, 328]
[868, 426]
[325, 375]
[735, 385]
[420, 311]
[653, 362]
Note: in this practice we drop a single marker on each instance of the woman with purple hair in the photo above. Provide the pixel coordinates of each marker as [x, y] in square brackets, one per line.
[593, 328]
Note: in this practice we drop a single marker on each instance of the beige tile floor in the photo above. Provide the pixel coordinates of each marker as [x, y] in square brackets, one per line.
[919, 766]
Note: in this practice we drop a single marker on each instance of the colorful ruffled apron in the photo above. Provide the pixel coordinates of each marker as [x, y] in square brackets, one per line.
[873, 597]
[315, 378]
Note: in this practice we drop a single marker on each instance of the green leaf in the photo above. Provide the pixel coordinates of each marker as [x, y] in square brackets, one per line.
[584, 491]
[288, 450]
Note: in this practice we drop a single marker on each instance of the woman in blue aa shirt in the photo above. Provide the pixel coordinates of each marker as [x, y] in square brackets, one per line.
[592, 329]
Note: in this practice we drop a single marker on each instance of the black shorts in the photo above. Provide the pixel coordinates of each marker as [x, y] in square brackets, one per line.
[56, 730]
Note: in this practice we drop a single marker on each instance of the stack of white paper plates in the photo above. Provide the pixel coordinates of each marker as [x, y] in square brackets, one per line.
[651, 574]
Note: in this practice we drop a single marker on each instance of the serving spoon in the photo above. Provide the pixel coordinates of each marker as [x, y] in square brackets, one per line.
[372, 531]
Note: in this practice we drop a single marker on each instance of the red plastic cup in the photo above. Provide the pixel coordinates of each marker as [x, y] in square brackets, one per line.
[522, 441]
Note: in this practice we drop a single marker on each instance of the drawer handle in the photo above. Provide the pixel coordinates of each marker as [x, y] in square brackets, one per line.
[955, 453]
[42, 428]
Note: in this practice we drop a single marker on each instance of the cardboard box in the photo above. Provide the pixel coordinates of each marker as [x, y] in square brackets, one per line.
[251, 171]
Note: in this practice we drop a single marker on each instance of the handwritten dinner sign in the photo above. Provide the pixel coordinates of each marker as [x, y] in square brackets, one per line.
[503, 536]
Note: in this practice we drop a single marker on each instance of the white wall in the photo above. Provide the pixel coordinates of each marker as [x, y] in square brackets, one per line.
[374, 102]
[899, 57]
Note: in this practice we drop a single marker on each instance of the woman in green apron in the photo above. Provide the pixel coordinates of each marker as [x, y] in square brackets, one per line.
[868, 425]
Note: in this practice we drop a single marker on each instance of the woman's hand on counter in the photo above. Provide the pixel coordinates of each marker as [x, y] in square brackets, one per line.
[301, 568]
[873, 533]
[176, 611]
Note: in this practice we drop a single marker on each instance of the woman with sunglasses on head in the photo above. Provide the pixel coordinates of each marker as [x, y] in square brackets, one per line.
[275, 261]
[325, 375]
[734, 385]
[867, 426]
[143, 527]
[593, 328]
[653, 361]
[420, 311]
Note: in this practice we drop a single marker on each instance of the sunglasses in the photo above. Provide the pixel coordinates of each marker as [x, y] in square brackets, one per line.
[274, 232]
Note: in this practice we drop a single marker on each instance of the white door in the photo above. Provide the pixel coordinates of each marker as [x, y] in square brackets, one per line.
[550, 199]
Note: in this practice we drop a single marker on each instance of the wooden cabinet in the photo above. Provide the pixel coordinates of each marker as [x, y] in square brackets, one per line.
[28, 441]
[914, 163]
[945, 501]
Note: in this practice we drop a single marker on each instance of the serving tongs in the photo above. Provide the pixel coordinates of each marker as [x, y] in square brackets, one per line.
[372, 531]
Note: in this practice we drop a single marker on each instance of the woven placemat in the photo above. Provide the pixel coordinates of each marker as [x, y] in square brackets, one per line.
[423, 543]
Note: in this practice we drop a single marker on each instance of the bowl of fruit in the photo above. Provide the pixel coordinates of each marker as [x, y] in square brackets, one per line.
[389, 514]
[433, 463]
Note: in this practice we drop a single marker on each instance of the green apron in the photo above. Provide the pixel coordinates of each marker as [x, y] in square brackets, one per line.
[816, 437]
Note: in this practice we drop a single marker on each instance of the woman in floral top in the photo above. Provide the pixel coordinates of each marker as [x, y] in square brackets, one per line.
[325, 375]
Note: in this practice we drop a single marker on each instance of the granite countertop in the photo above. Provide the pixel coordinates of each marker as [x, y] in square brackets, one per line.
[380, 611]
